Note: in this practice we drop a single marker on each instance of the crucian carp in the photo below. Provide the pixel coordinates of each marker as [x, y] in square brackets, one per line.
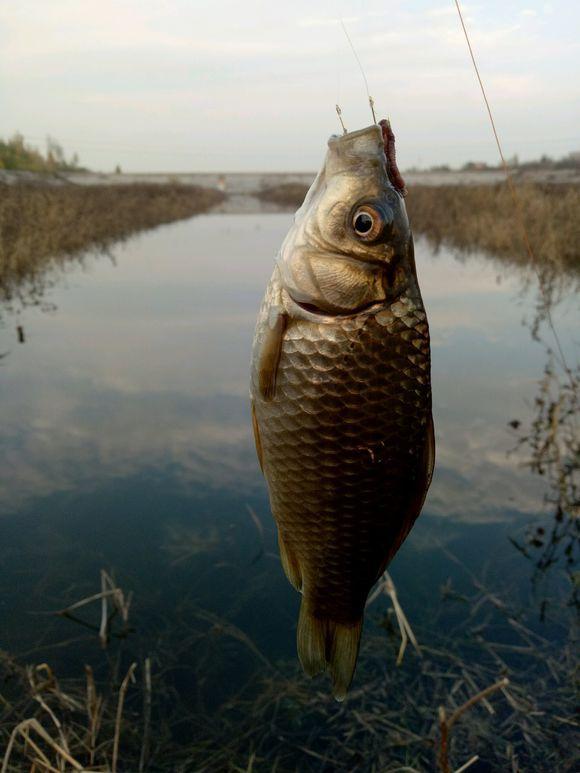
[341, 394]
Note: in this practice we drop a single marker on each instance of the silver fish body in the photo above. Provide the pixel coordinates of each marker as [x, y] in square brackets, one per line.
[341, 397]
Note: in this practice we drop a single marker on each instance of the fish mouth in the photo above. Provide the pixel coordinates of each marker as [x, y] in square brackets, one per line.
[387, 139]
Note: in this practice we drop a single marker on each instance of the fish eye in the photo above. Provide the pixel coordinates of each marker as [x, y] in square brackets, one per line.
[363, 223]
[367, 223]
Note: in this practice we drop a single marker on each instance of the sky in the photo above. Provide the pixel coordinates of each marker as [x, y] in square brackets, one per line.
[220, 85]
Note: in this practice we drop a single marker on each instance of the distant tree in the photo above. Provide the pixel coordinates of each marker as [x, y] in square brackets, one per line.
[16, 154]
[118, 169]
[55, 153]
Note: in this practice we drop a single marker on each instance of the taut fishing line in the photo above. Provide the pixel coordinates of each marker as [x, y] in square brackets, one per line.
[361, 68]
[517, 202]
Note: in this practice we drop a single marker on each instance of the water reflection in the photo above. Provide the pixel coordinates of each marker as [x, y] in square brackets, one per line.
[145, 366]
[127, 445]
[551, 440]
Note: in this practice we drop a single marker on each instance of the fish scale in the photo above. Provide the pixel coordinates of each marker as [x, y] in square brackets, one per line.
[368, 384]
[341, 396]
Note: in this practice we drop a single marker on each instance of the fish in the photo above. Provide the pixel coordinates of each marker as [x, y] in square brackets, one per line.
[341, 394]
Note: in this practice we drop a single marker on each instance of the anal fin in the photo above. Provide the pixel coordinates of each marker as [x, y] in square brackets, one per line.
[290, 564]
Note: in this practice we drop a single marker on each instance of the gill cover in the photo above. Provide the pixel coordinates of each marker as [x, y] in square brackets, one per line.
[349, 233]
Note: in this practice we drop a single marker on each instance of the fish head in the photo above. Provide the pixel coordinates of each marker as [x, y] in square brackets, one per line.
[350, 239]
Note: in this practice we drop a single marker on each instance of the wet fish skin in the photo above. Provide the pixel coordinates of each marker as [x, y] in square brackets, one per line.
[341, 399]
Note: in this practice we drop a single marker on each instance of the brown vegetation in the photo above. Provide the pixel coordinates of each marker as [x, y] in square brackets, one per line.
[483, 217]
[39, 225]
[434, 711]
[285, 194]
[79, 726]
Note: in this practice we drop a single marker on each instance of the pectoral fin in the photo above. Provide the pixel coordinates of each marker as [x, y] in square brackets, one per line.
[270, 354]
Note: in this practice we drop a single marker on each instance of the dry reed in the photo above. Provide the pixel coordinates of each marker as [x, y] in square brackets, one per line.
[274, 719]
[41, 225]
[482, 218]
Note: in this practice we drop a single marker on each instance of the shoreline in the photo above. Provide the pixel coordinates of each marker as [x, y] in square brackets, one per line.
[249, 183]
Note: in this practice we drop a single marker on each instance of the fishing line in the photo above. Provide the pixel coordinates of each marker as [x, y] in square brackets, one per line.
[361, 68]
[517, 202]
[339, 114]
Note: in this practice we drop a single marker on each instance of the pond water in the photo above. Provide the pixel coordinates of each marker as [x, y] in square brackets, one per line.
[127, 446]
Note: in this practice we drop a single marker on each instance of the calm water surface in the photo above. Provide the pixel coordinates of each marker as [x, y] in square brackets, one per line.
[127, 445]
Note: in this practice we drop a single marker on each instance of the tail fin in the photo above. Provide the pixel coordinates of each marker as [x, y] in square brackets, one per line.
[324, 643]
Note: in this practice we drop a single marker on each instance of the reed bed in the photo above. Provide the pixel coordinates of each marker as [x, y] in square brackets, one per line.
[81, 723]
[289, 195]
[491, 690]
[483, 217]
[41, 226]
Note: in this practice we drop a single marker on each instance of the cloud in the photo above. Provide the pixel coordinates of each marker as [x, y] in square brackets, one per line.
[119, 68]
[327, 21]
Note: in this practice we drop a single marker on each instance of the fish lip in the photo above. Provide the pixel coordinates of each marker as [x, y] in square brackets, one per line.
[337, 139]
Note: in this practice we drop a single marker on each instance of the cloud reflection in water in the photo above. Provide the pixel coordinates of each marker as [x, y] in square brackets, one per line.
[144, 367]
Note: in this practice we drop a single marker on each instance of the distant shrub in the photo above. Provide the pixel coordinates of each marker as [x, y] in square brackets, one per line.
[16, 154]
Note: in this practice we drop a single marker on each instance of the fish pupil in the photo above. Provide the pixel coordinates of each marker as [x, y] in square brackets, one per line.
[363, 223]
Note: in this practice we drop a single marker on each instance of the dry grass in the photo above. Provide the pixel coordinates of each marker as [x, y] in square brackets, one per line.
[489, 690]
[47, 726]
[42, 225]
[286, 194]
[56, 727]
[482, 217]
[399, 719]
